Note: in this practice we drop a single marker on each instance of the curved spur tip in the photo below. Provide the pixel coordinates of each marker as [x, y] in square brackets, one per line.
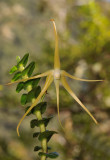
[17, 132]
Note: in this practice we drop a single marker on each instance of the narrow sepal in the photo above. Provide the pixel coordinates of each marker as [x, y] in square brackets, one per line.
[34, 77]
[67, 87]
[27, 109]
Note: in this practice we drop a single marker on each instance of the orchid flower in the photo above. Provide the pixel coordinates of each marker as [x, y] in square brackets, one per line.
[57, 75]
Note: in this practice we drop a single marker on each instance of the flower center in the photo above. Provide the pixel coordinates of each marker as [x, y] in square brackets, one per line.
[57, 74]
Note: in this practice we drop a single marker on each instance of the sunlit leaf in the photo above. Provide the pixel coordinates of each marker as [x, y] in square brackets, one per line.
[13, 69]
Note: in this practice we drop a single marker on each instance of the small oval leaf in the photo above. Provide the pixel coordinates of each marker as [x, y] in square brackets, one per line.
[36, 134]
[32, 66]
[37, 148]
[19, 87]
[49, 155]
[35, 82]
[16, 76]
[46, 134]
[33, 123]
[29, 69]
[24, 99]
[13, 69]
[18, 59]
[24, 60]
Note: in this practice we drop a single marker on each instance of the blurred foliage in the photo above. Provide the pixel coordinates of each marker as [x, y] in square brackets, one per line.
[84, 37]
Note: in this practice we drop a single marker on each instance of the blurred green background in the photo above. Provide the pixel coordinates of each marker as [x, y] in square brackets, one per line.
[84, 45]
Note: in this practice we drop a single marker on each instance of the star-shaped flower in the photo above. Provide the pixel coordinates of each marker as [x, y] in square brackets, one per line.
[55, 75]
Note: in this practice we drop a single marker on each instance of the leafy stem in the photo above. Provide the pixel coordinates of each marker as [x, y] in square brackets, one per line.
[41, 126]
[33, 92]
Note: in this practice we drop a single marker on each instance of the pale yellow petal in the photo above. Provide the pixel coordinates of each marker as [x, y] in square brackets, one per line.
[49, 80]
[66, 86]
[57, 93]
[56, 56]
[34, 77]
[79, 79]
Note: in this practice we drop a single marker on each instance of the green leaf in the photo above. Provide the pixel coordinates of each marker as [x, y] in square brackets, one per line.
[37, 148]
[37, 123]
[46, 134]
[29, 69]
[28, 83]
[37, 90]
[24, 60]
[35, 82]
[18, 59]
[33, 123]
[24, 99]
[45, 121]
[36, 134]
[19, 87]
[52, 155]
[24, 85]
[13, 69]
[32, 66]
[49, 155]
[32, 82]
[33, 93]
[40, 106]
[16, 76]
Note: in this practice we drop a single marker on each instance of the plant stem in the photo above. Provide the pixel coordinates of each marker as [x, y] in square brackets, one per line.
[42, 128]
